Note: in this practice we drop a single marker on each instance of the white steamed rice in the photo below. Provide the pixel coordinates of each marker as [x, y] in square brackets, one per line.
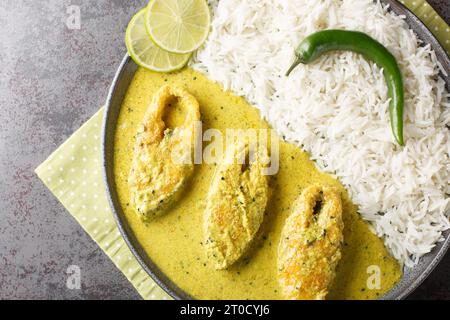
[337, 108]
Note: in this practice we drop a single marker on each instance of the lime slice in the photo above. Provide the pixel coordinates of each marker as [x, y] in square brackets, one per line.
[145, 53]
[178, 26]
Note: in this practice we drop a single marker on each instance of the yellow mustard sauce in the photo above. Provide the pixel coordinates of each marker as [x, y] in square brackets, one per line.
[174, 241]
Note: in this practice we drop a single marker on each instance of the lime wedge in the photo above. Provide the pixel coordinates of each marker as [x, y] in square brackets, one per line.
[145, 53]
[178, 26]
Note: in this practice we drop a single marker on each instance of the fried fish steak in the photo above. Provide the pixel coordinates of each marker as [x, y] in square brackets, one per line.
[310, 246]
[162, 159]
[235, 205]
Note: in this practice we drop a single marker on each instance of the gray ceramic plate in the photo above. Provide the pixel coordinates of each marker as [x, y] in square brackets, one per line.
[412, 278]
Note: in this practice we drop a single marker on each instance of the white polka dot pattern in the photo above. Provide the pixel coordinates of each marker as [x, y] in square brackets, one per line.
[432, 20]
[73, 174]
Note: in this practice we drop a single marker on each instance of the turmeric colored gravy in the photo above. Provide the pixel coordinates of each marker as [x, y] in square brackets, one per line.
[174, 241]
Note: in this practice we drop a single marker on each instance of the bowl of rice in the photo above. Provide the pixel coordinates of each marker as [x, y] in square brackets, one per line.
[402, 192]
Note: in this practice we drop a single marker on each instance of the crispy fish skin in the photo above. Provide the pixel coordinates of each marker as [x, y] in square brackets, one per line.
[235, 206]
[310, 246]
[162, 160]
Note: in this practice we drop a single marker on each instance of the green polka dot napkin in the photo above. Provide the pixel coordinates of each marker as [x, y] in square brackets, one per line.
[74, 175]
[432, 20]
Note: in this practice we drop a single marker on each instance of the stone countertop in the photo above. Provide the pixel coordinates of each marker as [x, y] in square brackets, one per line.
[52, 80]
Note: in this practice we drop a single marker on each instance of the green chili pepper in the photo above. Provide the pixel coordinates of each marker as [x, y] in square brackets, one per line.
[330, 40]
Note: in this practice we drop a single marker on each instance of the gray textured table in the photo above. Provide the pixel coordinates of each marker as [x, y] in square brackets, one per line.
[51, 81]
